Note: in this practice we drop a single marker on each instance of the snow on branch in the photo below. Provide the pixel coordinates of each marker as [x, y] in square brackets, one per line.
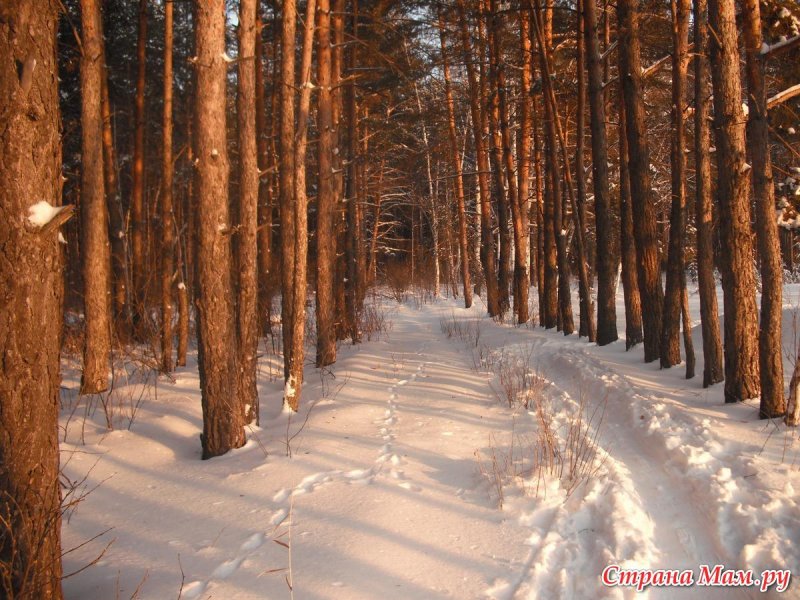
[44, 217]
[781, 46]
[783, 96]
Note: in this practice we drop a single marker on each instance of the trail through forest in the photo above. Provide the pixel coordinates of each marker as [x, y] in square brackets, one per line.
[413, 477]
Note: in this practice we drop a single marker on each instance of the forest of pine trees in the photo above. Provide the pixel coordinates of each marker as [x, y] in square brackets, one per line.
[218, 173]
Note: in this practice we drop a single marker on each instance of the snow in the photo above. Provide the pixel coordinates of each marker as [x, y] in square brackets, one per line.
[415, 476]
[41, 213]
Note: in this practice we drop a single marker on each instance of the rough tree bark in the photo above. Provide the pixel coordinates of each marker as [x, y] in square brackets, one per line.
[769, 340]
[500, 190]
[543, 28]
[676, 273]
[704, 221]
[520, 282]
[580, 151]
[247, 255]
[95, 246]
[607, 255]
[326, 196]
[287, 175]
[265, 186]
[223, 422]
[644, 218]
[167, 218]
[630, 278]
[736, 258]
[351, 283]
[31, 303]
[524, 140]
[294, 237]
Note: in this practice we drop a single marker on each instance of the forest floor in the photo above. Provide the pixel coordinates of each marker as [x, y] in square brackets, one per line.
[451, 457]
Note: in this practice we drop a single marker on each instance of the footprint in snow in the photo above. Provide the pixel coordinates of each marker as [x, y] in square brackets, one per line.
[357, 474]
[410, 486]
[279, 517]
[281, 496]
[193, 589]
[254, 541]
[227, 568]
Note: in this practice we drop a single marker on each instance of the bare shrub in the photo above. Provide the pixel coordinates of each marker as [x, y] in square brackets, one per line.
[467, 330]
[565, 446]
[519, 381]
[372, 320]
[398, 279]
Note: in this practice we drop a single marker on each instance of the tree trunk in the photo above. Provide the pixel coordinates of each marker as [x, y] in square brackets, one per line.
[607, 255]
[326, 197]
[736, 258]
[216, 325]
[167, 219]
[376, 223]
[337, 64]
[137, 216]
[265, 187]
[538, 216]
[456, 165]
[299, 234]
[630, 278]
[520, 283]
[185, 242]
[487, 237]
[688, 344]
[287, 177]
[247, 313]
[580, 149]
[95, 247]
[116, 218]
[769, 341]
[644, 219]
[501, 190]
[351, 283]
[543, 29]
[704, 222]
[522, 264]
[676, 273]
[31, 303]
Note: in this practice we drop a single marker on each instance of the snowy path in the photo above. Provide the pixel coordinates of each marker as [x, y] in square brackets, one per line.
[383, 495]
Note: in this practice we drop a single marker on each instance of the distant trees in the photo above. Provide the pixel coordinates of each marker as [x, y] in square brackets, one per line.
[346, 166]
[490, 187]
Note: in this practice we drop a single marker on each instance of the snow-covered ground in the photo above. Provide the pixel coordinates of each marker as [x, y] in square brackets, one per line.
[454, 457]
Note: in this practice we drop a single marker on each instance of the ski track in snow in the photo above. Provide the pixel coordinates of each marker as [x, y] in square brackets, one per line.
[695, 490]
